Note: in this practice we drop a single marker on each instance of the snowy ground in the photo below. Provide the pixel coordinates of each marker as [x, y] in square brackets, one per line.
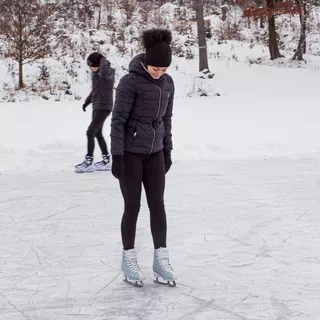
[242, 200]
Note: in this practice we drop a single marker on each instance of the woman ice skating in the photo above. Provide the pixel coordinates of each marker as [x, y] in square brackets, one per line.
[101, 97]
[141, 144]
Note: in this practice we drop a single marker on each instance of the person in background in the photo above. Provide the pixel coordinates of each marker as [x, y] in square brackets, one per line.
[141, 144]
[101, 98]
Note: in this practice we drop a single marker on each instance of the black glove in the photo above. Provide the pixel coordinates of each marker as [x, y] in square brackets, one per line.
[117, 167]
[167, 160]
[84, 106]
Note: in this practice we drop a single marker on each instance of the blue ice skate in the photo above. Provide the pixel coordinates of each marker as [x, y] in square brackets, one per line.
[104, 165]
[85, 166]
[130, 268]
[162, 268]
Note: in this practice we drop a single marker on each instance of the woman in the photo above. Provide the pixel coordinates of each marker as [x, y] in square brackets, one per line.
[141, 144]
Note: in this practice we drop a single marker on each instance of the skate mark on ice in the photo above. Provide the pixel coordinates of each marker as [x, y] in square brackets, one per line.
[283, 312]
[209, 306]
[242, 264]
[205, 232]
[15, 307]
[15, 199]
[95, 296]
[108, 265]
[298, 275]
[31, 299]
[37, 255]
[303, 215]
[67, 297]
[62, 212]
[128, 302]
[242, 300]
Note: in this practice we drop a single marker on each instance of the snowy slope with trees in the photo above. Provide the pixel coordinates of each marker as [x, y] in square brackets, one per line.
[53, 60]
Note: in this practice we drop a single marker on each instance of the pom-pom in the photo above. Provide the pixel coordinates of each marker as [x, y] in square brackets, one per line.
[153, 36]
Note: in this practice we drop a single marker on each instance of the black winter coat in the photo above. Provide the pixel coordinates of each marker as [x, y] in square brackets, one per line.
[101, 95]
[141, 118]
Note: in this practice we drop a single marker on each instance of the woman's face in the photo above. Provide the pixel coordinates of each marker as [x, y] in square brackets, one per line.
[156, 72]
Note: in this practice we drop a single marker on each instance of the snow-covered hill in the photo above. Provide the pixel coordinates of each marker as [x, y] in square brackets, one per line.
[65, 76]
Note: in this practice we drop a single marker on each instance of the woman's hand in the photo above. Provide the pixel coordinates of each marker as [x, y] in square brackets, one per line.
[117, 167]
[167, 160]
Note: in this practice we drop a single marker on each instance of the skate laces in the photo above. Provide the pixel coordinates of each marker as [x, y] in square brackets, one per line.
[106, 158]
[165, 264]
[163, 259]
[132, 262]
[88, 160]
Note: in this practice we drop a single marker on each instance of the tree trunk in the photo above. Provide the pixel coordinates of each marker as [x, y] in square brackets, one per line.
[273, 42]
[20, 61]
[99, 18]
[203, 55]
[301, 49]
[21, 84]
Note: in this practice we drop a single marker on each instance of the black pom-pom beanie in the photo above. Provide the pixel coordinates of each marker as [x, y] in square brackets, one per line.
[157, 47]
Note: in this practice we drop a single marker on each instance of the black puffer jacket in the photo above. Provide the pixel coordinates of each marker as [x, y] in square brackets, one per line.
[141, 119]
[101, 95]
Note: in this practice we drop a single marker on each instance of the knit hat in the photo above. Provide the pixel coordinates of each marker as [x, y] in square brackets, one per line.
[157, 44]
[94, 59]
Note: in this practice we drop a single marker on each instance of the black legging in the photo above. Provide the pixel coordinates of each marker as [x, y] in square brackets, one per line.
[95, 130]
[148, 170]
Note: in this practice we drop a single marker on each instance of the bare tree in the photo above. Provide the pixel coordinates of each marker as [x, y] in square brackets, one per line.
[301, 49]
[128, 8]
[273, 41]
[203, 55]
[27, 25]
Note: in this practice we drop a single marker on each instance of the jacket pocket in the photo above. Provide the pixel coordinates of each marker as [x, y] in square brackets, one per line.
[133, 132]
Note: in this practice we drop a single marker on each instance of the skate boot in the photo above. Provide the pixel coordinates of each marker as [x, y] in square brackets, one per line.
[86, 165]
[162, 268]
[103, 165]
[130, 268]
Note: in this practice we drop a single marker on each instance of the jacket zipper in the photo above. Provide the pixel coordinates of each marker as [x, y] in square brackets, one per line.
[154, 131]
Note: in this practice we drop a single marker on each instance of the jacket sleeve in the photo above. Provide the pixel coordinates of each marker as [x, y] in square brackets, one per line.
[124, 102]
[105, 71]
[88, 99]
[167, 119]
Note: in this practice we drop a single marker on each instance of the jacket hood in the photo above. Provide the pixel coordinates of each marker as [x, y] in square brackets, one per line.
[136, 64]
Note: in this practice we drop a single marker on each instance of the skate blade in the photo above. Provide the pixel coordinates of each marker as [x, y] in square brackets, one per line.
[77, 170]
[169, 283]
[135, 283]
[103, 169]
